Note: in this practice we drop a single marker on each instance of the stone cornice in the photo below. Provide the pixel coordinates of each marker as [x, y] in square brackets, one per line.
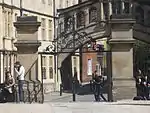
[122, 41]
[27, 43]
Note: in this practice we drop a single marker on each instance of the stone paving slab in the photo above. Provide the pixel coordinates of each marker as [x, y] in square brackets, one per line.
[25, 108]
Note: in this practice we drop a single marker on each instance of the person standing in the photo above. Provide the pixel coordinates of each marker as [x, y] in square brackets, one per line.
[96, 83]
[20, 73]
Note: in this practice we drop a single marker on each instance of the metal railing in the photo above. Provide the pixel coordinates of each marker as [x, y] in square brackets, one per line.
[32, 92]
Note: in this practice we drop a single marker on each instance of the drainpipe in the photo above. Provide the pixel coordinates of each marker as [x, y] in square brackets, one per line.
[20, 7]
[54, 14]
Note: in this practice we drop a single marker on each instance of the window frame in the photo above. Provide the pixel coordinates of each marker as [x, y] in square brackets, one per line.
[80, 19]
[50, 30]
[43, 28]
[93, 13]
[51, 66]
[44, 67]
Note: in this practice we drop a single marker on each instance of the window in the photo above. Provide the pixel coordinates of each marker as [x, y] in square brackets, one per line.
[68, 23]
[89, 67]
[43, 30]
[7, 23]
[80, 19]
[50, 29]
[44, 67]
[74, 66]
[51, 67]
[60, 28]
[92, 14]
[75, 61]
[98, 68]
[7, 62]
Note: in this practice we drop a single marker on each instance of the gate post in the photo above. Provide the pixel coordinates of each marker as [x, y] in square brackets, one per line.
[27, 44]
[27, 48]
[121, 44]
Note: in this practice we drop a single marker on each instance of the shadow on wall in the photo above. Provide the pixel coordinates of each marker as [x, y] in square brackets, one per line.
[32, 72]
[66, 73]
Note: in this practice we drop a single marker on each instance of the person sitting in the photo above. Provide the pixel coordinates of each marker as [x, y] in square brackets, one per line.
[8, 87]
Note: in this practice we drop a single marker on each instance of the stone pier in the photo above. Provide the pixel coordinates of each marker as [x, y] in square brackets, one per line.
[121, 44]
[27, 44]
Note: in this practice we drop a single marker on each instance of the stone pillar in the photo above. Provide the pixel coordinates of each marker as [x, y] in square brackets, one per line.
[121, 44]
[27, 45]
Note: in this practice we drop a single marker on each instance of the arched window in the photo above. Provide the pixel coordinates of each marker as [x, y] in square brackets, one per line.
[92, 14]
[80, 19]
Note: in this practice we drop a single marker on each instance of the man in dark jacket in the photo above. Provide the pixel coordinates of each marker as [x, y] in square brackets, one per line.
[97, 82]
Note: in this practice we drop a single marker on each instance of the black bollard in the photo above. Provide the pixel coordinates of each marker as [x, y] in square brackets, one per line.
[91, 85]
[74, 91]
[61, 89]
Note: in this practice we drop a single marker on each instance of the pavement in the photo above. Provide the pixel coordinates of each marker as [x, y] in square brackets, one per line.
[78, 107]
[54, 103]
[94, 107]
[67, 97]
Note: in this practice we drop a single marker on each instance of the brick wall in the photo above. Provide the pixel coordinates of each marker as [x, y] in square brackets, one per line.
[85, 57]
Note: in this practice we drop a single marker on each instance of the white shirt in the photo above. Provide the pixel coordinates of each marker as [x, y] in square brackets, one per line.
[20, 73]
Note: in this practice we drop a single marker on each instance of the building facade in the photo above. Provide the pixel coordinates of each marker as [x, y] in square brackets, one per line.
[10, 10]
[45, 11]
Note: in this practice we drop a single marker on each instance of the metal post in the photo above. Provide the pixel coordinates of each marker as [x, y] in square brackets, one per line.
[61, 89]
[74, 91]
[109, 76]
[42, 80]
[21, 8]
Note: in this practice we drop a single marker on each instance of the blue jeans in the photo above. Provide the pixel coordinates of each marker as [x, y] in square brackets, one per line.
[20, 88]
[98, 92]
